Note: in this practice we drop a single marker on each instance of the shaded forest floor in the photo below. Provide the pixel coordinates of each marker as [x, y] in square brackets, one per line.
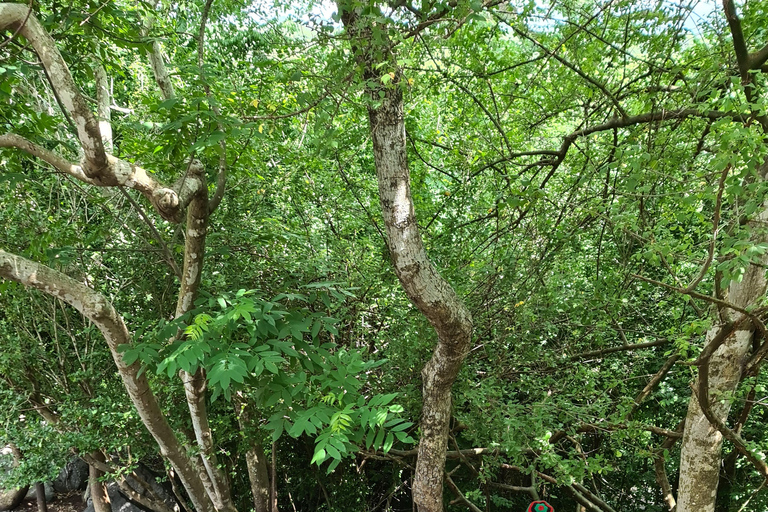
[72, 502]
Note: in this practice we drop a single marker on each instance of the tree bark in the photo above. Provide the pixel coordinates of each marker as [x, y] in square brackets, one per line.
[195, 385]
[255, 458]
[42, 506]
[702, 441]
[425, 287]
[98, 310]
[103, 109]
[157, 60]
[97, 168]
[98, 495]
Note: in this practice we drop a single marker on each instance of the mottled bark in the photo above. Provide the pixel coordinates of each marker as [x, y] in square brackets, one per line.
[17, 17]
[103, 110]
[98, 310]
[157, 61]
[425, 287]
[162, 77]
[97, 168]
[195, 385]
[702, 441]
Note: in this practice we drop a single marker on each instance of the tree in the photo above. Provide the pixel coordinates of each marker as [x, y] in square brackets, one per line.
[735, 330]
[431, 293]
[586, 177]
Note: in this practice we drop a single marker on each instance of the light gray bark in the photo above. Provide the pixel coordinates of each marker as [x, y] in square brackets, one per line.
[97, 309]
[17, 17]
[103, 109]
[702, 442]
[195, 385]
[98, 168]
[425, 287]
[157, 60]
[209, 486]
[700, 457]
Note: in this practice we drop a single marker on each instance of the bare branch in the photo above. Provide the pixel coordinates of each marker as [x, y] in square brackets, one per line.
[610, 350]
[100, 311]
[10, 140]
[459, 494]
[168, 201]
[658, 377]
[17, 16]
[715, 230]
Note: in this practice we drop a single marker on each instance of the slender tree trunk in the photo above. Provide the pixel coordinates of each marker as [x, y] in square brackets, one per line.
[195, 385]
[258, 475]
[273, 480]
[97, 308]
[98, 495]
[157, 61]
[425, 287]
[42, 506]
[702, 442]
[255, 459]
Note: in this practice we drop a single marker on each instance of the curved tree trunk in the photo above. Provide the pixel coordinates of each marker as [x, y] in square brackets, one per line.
[206, 483]
[700, 458]
[425, 287]
[97, 309]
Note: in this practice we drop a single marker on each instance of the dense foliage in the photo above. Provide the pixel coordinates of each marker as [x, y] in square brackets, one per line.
[586, 175]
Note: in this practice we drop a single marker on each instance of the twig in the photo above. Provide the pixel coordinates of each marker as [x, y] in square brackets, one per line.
[715, 230]
[459, 494]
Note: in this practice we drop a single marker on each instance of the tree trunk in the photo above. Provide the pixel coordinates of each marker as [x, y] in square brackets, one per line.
[425, 287]
[98, 495]
[42, 506]
[255, 459]
[273, 480]
[97, 309]
[702, 442]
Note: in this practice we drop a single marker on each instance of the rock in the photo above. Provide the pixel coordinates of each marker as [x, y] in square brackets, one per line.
[120, 503]
[162, 490]
[9, 498]
[72, 477]
[49, 494]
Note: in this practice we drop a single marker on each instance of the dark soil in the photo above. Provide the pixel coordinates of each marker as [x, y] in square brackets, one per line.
[72, 502]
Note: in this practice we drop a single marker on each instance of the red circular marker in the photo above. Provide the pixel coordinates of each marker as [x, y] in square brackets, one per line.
[540, 506]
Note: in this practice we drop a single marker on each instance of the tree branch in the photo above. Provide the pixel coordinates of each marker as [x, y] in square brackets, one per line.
[739, 44]
[18, 17]
[98, 310]
[610, 350]
[168, 201]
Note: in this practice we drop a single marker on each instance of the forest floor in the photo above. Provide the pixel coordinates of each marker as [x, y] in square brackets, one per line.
[72, 502]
